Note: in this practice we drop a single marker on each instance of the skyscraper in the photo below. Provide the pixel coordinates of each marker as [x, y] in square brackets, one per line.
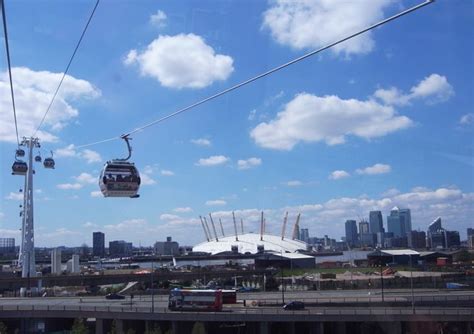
[304, 234]
[351, 232]
[396, 222]
[56, 267]
[406, 214]
[363, 227]
[98, 244]
[376, 222]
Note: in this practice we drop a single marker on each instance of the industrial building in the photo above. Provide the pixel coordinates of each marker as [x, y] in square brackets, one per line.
[393, 257]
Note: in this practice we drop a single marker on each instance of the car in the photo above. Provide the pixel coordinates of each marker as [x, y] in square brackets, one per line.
[114, 296]
[294, 305]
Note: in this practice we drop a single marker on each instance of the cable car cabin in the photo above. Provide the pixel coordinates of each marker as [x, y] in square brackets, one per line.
[119, 179]
[19, 168]
[20, 152]
[38, 158]
[195, 300]
[48, 163]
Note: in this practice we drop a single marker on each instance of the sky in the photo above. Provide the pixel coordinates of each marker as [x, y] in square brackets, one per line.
[383, 120]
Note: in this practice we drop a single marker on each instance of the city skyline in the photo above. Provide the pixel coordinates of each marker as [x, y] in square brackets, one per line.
[305, 139]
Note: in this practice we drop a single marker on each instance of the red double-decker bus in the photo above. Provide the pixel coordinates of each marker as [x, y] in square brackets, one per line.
[195, 300]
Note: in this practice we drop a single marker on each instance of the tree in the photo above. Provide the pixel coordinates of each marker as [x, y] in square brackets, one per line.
[78, 327]
[131, 331]
[3, 328]
[198, 328]
[155, 329]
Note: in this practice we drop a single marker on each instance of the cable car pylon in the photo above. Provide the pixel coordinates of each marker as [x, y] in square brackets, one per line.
[27, 246]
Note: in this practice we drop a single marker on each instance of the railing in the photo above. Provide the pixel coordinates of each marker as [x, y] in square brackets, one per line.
[244, 310]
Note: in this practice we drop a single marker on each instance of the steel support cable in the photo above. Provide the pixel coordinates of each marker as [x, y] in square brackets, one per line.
[278, 68]
[67, 68]
[7, 48]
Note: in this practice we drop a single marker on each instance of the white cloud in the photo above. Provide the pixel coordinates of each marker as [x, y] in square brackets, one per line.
[249, 163]
[15, 196]
[294, 183]
[70, 151]
[96, 193]
[33, 92]
[212, 161]
[86, 178]
[252, 114]
[181, 61]
[391, 192]
[127, 225]
[201, 142]
[165, 172]
[433, 89]
[375, 169]
[169, 217]
[89, 225]
[466, 119]
[69, 186]
[7, 233]
[313, 24]
[90, 156]
[310, 118]
[158, 19]
[339, 174]
[183, 209]
[217, 202]
[147, 180]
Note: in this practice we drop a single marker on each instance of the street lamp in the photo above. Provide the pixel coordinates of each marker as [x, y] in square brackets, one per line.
[411, 283]
[381, 278]
[151, 287]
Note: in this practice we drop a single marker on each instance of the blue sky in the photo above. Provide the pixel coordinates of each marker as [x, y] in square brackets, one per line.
[385, 120]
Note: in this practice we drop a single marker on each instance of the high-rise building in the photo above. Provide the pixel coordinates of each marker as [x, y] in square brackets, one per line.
[167, 247]
[98, 244]
[363, 227]
[406, 214]
[351, 232]
[376, 222]
[304, 234]
[470, 231]
[396, 222]
[73, 265]
[120, 248]
[56, 266]
[452, 239]
[470, 241]
[416, 239]
[7, 245]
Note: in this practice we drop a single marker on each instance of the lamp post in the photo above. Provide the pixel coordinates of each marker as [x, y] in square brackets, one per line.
[282, 286]
[381, 279]
[151, 287]
[411, 283]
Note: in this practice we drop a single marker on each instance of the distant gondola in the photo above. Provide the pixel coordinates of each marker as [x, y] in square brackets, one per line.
[19, 168]
[49, 162]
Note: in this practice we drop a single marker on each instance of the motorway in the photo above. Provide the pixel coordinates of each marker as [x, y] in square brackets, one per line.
[349, 297]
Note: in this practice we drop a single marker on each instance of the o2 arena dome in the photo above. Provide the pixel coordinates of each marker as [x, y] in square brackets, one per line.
[249, 243]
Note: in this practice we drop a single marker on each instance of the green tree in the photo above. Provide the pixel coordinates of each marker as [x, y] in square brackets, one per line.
[78, 327]
[3, 328]
[113, 327]
[198, 328]
[155, 329]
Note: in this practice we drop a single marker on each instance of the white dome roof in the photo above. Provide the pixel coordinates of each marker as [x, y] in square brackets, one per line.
[249, 242]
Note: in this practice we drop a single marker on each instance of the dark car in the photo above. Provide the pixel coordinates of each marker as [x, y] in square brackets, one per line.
[114, 296]
[294, 305]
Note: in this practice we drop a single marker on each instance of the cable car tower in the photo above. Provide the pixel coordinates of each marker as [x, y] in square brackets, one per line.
[27, 246]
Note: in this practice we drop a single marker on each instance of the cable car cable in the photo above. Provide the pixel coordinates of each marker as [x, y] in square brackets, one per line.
[67, 67]
[278, 68]
[7, 48]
